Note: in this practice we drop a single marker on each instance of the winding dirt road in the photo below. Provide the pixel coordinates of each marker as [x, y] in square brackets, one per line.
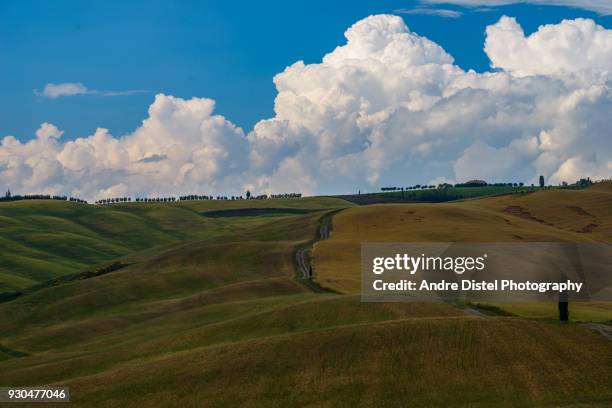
[301, 255]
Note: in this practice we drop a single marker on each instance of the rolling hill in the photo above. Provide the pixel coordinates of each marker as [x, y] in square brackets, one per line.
[213, 312]
[549, 215]
[44, 239]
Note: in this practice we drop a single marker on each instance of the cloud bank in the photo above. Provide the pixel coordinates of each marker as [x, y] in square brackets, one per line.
[387, 107]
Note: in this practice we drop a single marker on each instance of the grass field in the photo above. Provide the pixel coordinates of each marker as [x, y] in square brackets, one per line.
[550, 215]
[210, 312]
[45, 239]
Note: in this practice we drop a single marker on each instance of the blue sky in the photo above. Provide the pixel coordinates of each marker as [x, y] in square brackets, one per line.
[227, 51]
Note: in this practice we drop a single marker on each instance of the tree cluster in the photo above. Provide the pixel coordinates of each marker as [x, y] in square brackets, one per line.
[415, 187]
[115, 200]
[194, 197]
[583, 182]
[471, 183]
[18, 197]
[155, 199]
[484, 184]
[286, 195]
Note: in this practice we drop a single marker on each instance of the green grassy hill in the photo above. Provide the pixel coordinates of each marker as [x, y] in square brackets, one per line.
[46, 239]
[435, 195]
[215, 316]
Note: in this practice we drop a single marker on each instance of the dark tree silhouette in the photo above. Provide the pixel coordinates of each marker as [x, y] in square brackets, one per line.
[563, 307]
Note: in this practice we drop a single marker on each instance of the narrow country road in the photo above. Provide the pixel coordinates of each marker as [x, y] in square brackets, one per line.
[301, 255]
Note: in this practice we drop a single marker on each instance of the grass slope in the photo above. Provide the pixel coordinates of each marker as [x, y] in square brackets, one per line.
[45, 239]
[550, 215]
[300, 350]
[218, 319]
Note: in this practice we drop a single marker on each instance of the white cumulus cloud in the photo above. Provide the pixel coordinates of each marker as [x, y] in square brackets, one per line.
[567, 47]
[386, 107]
[390, 107]
[47, 130]
[192, 150]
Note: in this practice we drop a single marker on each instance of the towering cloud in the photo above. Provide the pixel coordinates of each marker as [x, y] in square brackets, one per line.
[569, 47]
[388, 106]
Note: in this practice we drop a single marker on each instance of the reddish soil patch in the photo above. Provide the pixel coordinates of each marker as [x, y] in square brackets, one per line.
[523, 213]
[587, 229]
[580, 211]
